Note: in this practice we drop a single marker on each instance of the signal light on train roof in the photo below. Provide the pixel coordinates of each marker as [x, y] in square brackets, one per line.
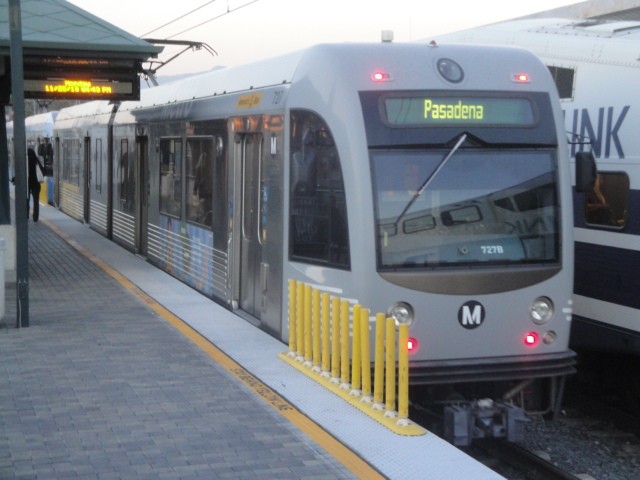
[380, 76]
[531, 339]
[521, 78]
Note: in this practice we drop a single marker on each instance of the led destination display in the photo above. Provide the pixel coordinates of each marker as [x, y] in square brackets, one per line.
[457, 110]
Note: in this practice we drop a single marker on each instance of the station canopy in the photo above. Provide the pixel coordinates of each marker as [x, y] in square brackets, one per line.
[69, 53]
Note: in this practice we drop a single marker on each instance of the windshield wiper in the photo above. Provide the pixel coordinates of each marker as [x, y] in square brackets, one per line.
[428, 180]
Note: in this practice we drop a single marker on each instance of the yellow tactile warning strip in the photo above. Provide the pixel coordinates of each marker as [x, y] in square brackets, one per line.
[334, 447]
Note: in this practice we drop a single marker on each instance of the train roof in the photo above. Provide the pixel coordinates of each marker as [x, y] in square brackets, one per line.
[313, 64]
[594, 41]
[317, 66]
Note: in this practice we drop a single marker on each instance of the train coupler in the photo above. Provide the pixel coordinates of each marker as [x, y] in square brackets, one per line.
[485, 418]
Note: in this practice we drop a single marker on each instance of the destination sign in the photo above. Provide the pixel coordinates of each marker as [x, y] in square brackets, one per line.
[458, 110]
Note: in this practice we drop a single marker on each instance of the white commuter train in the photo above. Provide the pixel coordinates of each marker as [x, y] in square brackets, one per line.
[595, 65]
[432, 180]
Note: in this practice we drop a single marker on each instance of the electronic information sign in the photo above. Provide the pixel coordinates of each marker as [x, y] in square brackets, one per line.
[81, 78]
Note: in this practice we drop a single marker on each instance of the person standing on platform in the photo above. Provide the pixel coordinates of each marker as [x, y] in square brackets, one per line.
[33, 182]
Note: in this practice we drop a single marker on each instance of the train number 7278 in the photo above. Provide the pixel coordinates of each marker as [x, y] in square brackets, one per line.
[492, 249]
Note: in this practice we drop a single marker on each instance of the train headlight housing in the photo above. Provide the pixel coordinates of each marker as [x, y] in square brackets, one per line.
[541, 310]
[401, 312]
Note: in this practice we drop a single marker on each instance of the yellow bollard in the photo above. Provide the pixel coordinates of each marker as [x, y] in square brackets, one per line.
[292, 317]
[365, 348]
[378, 368]
[356, 353]
[300, 321]
[344, 344]
[326, 335]
[390, 377]
[335, 339]
[315, 311]
[403, 373]
[307, 325]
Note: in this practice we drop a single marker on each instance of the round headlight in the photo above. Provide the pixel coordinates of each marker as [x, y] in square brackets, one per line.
[549, 337]
[541, 310]
[401, 312]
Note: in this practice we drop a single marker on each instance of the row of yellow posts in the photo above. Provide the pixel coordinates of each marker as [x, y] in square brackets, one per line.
[319, 345]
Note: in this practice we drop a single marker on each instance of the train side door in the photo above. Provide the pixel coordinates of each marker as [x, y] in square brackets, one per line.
[87, 179]
[248, 169]
[142, 194]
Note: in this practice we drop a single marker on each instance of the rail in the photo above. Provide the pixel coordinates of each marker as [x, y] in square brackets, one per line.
[323, 329]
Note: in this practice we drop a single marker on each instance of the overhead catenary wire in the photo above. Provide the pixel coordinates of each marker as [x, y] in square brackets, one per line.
[212, 19]
[227, 12]
[178, 18]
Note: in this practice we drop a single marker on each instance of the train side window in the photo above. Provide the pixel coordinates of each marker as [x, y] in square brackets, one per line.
[126, 183]
[199, 167]
[607, 203]
[171, 176]
[563, 78]
[318, 220]
[98, 165]
[71, 160]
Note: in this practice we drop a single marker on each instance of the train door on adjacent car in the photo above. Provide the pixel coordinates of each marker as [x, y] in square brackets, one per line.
[142, 194]
[252, 270]
[57, 173]
[87, 179]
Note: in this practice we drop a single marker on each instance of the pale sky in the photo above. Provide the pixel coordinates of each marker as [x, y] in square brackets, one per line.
[256, 29]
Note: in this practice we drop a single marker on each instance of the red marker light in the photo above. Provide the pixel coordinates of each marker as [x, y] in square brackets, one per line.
[412, 345]
[380, 76]
[531, 339]
[521, 78]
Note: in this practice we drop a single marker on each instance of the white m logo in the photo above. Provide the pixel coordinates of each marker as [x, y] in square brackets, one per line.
[471, 314]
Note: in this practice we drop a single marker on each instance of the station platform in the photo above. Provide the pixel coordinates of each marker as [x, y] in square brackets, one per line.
[127, 373]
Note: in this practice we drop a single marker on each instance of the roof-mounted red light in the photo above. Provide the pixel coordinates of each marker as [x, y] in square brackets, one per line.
[521, 78]
[380, 76]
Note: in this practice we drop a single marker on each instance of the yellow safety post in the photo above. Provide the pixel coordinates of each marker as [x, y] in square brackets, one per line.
[365, 348]
[403, 375]
[385, 339]
[344, 344]
[326, 335]
[356, 353]
[390, 377]
[292, 318]
[300, 321]
[378, 368]
[335, 340]
[315, 309]
[307, 325]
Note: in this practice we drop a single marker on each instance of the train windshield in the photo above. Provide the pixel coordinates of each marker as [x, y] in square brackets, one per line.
[457, 206]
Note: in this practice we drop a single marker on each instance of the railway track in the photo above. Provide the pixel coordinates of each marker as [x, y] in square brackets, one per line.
[515, 462]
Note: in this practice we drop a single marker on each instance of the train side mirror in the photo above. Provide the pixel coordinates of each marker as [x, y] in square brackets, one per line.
[586, 171]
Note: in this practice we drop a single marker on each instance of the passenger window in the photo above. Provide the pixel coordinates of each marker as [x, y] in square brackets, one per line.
[71, 160]
[199, 163]
[563, 77]
[607, 202]
[98, 165]
[126, 179]
[171, 176]
[319, 227]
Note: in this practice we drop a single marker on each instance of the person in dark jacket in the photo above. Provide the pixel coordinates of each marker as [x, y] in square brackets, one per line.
[33, 183]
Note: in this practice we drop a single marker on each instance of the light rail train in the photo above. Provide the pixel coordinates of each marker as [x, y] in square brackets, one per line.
[595, 65]
[427, 181]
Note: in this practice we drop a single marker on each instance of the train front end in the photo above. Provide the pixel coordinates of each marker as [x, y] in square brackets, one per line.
[460, 224]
